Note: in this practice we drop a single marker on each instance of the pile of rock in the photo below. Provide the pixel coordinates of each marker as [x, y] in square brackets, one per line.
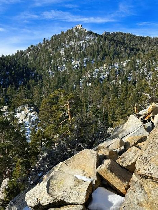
[143, 191]
[125, 165]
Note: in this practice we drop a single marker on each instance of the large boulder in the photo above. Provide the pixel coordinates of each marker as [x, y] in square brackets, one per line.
[133, 127]
[128, 159]
[113, 144]
[142, 195]
[70, 182]
[66, 188]
[38, 195]
[147, 163]
[143, 191]
[116, 176]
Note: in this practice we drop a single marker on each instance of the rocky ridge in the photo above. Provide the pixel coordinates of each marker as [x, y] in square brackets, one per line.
[125, 166]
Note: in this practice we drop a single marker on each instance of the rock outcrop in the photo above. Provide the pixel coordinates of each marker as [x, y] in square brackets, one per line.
[143, 191]
[70, 182]
[142, 194]
[133, 127]
[147, 163]
[122, 171]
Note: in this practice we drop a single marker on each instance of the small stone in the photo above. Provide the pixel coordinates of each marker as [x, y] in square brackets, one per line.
[113, 154]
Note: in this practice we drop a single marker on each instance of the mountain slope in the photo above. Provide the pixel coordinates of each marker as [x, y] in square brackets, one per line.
[80, 83]
[78, 56]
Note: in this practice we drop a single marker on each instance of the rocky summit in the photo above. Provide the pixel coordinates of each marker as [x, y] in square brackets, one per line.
[120, 173]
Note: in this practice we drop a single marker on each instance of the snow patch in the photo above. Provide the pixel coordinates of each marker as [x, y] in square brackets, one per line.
[84, 178]
[102, 199]
[27, 118]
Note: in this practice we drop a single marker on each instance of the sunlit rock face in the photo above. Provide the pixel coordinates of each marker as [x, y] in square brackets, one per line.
[143, 192]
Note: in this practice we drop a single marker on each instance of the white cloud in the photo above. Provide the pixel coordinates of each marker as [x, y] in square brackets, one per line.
[2, 29]
[5, 3]
[68, 17]
[143, 24]
[124, 9]
[26, 15]
[9, 1]
[63, 16]
[147, 24]
[71, 6]
[41, 3]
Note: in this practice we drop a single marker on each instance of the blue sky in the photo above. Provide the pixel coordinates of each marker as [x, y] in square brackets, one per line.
[26, 22]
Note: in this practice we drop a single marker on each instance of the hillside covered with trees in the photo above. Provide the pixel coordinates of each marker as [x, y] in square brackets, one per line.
[80, 83]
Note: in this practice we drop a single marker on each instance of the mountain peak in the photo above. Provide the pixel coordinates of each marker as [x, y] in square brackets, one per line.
[79, 26]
